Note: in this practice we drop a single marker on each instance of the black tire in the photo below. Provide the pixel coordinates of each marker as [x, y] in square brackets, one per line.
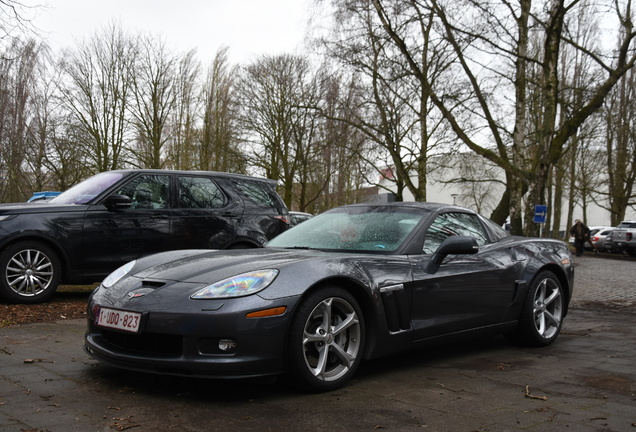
[30, 272]
[631, 252]
[542, 313]
[326, 340]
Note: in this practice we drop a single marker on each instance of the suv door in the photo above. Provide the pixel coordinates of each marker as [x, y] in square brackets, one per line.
[205, 216]
[114, 237]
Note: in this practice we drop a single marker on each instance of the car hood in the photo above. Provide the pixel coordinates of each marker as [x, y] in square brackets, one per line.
[210, 266]
[38, 207]
[181, 273]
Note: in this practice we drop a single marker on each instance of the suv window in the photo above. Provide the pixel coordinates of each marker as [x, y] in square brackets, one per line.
[256, 192]
[450, 224]
[200, 192]
[147, 191]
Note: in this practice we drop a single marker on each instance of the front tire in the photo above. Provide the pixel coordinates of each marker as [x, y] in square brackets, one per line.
[543, 311]
[31, 272]
[326, 340]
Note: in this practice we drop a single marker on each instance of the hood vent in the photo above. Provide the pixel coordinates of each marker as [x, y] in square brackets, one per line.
[148, 283]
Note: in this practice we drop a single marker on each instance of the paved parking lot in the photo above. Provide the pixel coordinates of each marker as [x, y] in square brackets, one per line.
[586, 381]
[605, 280]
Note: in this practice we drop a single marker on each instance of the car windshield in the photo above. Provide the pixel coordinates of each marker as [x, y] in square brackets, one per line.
[85, 191]
[362, 229]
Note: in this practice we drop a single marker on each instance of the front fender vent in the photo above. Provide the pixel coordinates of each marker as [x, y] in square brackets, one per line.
[396, 307]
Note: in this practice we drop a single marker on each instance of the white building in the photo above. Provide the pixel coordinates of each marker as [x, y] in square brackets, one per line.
[483, 196]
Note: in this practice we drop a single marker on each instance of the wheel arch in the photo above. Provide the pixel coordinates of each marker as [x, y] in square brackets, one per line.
[61, 253]
[365, 300]
[242, 243]
[561, 275]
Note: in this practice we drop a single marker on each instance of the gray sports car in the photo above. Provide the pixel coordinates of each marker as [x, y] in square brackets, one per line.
[357, 282]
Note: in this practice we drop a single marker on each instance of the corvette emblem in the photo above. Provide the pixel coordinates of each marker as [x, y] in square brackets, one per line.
[133, 295]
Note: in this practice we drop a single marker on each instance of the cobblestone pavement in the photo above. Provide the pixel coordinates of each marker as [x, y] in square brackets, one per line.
[605, 280]
[584, 382]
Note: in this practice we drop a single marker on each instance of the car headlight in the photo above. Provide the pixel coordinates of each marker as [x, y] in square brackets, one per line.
[115, 276]
[237, 286]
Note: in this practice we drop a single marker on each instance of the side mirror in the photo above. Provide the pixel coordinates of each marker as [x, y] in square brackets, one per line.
[454, 245]
[118, 202]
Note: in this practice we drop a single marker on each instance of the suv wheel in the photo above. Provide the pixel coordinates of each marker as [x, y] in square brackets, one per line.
[31, 272]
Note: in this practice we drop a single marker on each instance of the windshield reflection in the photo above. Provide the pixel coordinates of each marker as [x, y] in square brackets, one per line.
[85, 191]
[363, 229]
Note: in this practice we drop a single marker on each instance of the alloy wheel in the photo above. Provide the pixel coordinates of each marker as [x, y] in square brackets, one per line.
[29, 272]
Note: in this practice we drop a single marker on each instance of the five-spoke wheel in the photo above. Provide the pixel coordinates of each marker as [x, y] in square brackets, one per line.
[327, 339]
[543, 311]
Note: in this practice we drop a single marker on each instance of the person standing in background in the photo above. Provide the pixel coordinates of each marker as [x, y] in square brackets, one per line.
[581, 234]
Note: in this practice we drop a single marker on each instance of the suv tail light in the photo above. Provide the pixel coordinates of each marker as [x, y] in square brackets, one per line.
[595, 238]
[283, 218]
[628, 236]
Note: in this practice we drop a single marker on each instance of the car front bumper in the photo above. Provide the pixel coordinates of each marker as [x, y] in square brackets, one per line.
[221, 343]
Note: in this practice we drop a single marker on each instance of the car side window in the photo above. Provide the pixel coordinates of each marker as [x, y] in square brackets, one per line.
[200, 192]
[147, 191]
[451, 224]
[255, 192]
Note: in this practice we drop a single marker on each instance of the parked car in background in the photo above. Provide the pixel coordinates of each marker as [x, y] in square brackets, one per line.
[593, 230]
[623, 238]
[299, 217]
[599, 236]
[356, 282]
[109, 219]
[45, 195]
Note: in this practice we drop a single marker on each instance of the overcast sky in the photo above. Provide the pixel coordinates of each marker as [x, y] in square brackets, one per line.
[247, 27]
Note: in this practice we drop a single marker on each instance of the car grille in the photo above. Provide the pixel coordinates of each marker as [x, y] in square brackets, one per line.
[145, 343]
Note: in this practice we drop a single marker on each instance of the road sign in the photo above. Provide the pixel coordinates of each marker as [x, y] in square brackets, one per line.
[540, 213]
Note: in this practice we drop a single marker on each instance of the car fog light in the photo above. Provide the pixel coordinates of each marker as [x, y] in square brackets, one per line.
[227, 345]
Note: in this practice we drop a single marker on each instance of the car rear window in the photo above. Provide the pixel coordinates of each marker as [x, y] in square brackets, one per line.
[200, 192]
[627, 225]
[259, 193]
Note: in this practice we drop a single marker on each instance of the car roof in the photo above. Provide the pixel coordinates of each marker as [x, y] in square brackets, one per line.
[430, 206]
[195, 172]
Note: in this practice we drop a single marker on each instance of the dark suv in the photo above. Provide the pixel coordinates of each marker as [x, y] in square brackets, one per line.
[114, 217]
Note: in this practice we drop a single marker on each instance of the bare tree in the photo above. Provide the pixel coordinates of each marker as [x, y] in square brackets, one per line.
[41, 124]
[485, 35]
[271, 100]
[342, 167]
[153, 84]
[17, 78]
[66, 160]
[218, 147]
[181, 149]
[15, 23]
[98, 91]
[395, 112]
[620, 147]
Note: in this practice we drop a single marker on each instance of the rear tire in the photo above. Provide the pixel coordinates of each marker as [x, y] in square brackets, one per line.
[326, 340]
[30, 272]
[542, 313]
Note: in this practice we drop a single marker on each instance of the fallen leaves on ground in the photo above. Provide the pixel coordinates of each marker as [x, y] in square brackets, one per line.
[63, 306]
